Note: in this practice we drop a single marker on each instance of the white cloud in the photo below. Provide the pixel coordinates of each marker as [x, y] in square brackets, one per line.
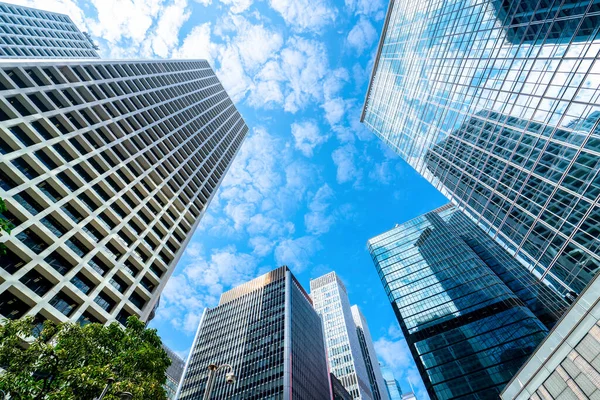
[320, 217]
[364, 7]
[334, 110]
[344, 159]
[261, 245]
[307, 137]
[166, 34]
[124, 19]
[362, 36]
[237, 6]
[247, 47]
[201, 283]
[205, 3]
[197, 44]
[296, 253]
[305, 15]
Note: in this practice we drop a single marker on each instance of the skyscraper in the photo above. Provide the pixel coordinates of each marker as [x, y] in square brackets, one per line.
[496, 104]
[106, 169]
[30, 33]
[467, 330]
[344, 352]
[268, 331]
[370, 357]
[392, 386]
[173, 374]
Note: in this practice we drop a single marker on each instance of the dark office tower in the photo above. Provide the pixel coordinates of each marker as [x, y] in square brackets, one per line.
[496, 104]
[174, 373]
[376, 380]
[106, 169]
[467, 330]
[268, 331]
[338, 391]
[31, 33]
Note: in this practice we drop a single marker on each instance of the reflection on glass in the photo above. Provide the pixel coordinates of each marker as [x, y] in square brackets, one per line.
[497, 103]
[470, 313]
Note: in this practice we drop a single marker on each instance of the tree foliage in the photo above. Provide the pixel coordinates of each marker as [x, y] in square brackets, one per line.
[5, 225]
[68, 361]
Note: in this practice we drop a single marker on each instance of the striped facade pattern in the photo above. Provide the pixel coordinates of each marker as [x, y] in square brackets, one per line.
[269, 333]
[31, 33]
[106, 169]
[369, 355]
[344, 352]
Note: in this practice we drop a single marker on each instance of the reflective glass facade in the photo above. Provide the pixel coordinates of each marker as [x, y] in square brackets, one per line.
[467, 330]
[344, 351]
[269, 333]
[392, 386]
[497, 104]
[174, 373]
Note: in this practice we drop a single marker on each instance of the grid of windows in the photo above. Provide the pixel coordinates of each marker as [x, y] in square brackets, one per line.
[369, 356]
[343, 347]
[174, 373]
[467, 330]
[497, 103]
[567, 364]
[31, 33]
[108, 179]
[267, 330]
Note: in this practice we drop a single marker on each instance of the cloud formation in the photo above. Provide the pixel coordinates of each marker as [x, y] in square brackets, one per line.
[307, 137]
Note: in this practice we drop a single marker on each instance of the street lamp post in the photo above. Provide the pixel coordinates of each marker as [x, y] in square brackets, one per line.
[212, 371]
[109, 383]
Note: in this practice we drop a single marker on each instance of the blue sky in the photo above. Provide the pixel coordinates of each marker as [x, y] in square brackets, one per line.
[310, 184]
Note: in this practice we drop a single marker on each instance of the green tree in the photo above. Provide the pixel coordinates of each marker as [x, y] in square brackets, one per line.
[5, 225]
[68, 361]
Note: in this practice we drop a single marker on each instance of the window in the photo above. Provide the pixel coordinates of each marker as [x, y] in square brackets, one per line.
[82, 283]
[64, 303]
[104, 301]
[11, 306]
[36, 282]
[11, 262]
[59, 263]
[32, 240]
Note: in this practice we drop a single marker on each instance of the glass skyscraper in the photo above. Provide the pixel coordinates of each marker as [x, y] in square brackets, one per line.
[497, 103]
[268, 331]
[106, 168]
[469, 321]
[344, 351]
[392, 386]
[370, 357]
[173, 374]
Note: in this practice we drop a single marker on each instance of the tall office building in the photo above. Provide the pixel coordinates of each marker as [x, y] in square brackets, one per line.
[496, 103]
[392, 386]
[467, 330]
[344, 352]
[370, 357]
[106, 169]
[31, 33]
[173, 374]
[268, 331]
